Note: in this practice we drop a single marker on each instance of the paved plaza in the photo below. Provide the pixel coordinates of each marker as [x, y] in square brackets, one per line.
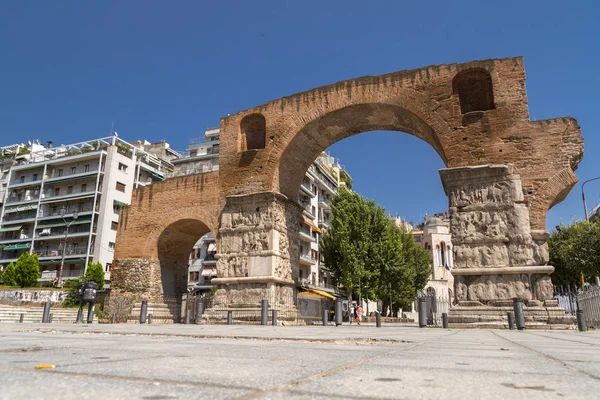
[156, 362]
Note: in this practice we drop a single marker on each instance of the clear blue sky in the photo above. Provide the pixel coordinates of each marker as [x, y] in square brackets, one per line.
[167, 70]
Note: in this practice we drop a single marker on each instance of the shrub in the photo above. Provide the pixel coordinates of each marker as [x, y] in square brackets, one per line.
[9, 275]
[95, 273]
[27, 270]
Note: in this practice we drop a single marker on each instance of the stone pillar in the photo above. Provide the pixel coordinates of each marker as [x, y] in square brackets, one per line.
[258, 255]
[497, 256]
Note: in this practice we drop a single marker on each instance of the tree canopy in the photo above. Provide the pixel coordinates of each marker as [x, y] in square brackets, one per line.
[27, 270]
[575, 250]
[366, 251]
[9, 276]
[95, 273]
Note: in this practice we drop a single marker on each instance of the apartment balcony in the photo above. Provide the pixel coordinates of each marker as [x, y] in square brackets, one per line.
[73, 195]
[61, 235]
[210, 258]
[308, 210]
[309, 283]
[324, 223]
[48, 253]
[25, 182]
[51, 274]
[306, 259]
[306, 189]
[72, 176]
[50, 214]
[324, 203]
[18, 238]
[22, 218]
[306, 236]
[21, 200]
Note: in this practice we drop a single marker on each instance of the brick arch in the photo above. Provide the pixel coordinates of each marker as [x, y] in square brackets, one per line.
[550, 194]
[406, 112]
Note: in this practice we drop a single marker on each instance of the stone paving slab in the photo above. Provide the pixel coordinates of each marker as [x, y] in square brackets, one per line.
[252, 362]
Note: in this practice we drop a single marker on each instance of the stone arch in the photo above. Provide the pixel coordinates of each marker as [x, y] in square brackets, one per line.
[474, 89]
[403, 113]
[253, 132]
[174, 245]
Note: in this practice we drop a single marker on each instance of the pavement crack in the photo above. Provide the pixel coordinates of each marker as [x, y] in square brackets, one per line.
[549, 357]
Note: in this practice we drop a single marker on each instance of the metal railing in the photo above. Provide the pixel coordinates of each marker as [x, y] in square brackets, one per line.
[57, 175]
[589, 303]
[18, 199]
[434, 308]
[58, 251]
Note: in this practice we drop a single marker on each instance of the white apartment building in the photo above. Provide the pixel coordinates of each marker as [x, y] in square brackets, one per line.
[318, 188]
[62, 203]
[436, 238]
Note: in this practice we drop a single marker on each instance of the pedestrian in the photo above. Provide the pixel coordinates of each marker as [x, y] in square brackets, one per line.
[359, 313]
[351, 313]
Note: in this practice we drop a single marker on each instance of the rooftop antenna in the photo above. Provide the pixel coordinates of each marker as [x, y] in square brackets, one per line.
[112, 125]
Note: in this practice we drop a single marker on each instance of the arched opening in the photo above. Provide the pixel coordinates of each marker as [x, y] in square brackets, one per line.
[316, 176]
[474, 89]
[175, 246]
[253, 132]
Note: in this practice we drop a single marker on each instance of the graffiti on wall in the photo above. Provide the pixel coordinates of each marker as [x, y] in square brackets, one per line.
[32, 296]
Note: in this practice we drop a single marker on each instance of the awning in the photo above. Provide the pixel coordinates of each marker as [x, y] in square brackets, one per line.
[11, 228]
[321, 293]
[18, 246]
[157, 176]
[119, 203]
[309, 222]
[21, 208]
[212, 247]
[316, 229]
[209, 272]
[81, 221]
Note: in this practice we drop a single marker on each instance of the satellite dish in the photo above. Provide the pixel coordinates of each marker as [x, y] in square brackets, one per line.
[29, 142]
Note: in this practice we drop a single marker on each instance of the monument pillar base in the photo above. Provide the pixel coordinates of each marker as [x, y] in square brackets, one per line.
[538, 315]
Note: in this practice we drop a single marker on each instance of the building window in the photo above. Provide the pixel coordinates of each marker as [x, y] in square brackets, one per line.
[73, 170]
[108, 267]
[474, 89]
[86, 168]
[114, 225]
[23, 179]
[111, 245]
[443, 254]
[81, 205]
[122, 167]
[194, 276]
[60, 172]
[121, 187]
[69, 189]
[35, 177]
[84, 187]
[193, 153]
[56, 191]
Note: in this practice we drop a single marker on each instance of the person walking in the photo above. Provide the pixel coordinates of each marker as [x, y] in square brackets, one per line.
[351, 313]
[359, 313]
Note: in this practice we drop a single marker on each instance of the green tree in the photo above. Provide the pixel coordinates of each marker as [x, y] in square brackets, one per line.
[27, 270]
[574, 250]
[365, 252]
[95, 273]
[9, 275]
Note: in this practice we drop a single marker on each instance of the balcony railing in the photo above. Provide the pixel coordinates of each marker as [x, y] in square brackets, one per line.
[315, 284]
[66, 193]
[45, 213]
[27, 180]
[19, 216]
[46, 233]
[307, 258]
[58, 251]
[67, 174]
[21, 199]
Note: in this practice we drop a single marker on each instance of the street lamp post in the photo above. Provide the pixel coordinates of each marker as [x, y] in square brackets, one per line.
[63, 211]
[583, 197]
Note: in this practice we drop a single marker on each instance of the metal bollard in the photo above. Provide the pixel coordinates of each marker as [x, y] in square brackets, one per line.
[325, 317]
[229, 317]
[511, 320]
[378, 320]
[338, 312]
[50, 318]
[21, 318]
[519, 316]
[264, 312]
[422, 312]
[90, 316]
[274, 317]
[581, 321]
[46, 314]
[188, 316]
[143, 311]
[445, 320]
[114, 318]
[149, 318]
[199, 311]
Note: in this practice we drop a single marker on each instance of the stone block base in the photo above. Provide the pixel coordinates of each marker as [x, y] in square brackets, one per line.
[242, 296]
[471, 314]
